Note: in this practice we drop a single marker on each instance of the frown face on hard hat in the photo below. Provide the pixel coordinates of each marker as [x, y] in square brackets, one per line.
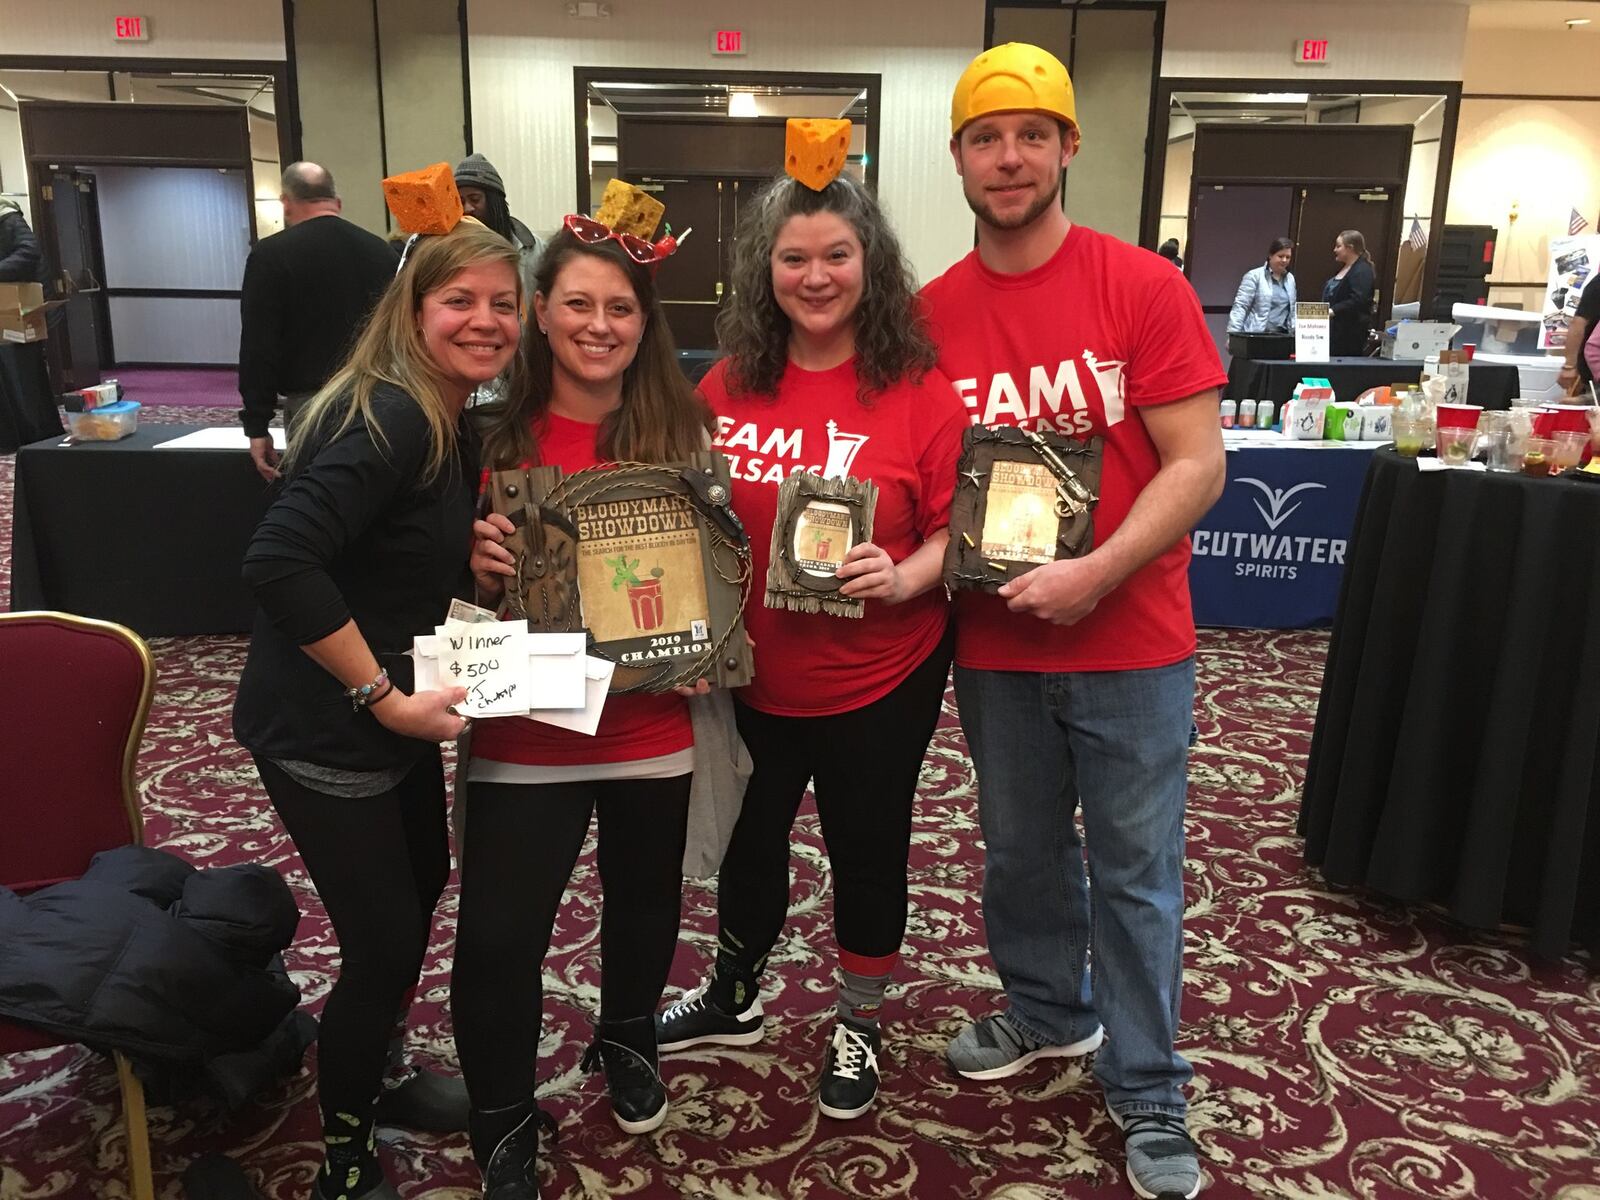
[1014, 126]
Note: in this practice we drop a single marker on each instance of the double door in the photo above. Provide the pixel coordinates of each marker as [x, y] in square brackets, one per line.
[70, 233]
[695, 283]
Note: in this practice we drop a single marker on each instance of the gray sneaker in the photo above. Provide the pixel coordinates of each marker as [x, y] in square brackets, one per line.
[1163, 1163]
[994, 1048]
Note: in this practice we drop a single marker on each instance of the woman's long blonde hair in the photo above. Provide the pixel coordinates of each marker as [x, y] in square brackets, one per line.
[391, 350]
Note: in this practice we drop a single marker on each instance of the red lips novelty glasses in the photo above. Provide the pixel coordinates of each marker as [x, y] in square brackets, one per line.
[592, 232]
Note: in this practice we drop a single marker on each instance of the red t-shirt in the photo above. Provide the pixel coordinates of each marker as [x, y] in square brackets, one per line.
[633, 726]
[907, 441]
[1078, 346]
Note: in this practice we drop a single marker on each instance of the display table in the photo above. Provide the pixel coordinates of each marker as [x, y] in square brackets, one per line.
[1493, 385]
[1455, 752]
[1270, 554]
[151, 538]
[27, 406]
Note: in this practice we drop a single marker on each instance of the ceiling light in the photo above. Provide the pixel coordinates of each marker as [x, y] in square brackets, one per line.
[1576, 21]
[742, 104]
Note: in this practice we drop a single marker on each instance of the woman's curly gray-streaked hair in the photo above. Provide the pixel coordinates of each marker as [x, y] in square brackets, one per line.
[891, 335]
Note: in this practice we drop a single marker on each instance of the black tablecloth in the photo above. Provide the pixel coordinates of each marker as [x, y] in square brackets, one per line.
[1493, 385]
[122, 531]
[1455, 751]
[27, 405]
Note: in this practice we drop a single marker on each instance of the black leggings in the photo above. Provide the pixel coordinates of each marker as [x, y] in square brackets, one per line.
[522, 841]
[379, 864]
[865, 765]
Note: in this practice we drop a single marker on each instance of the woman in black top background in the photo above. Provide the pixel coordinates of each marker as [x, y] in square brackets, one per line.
[363, 550]
[1349, 295]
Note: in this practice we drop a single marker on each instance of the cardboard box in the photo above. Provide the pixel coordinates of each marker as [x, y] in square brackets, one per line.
[1418, 339]
[23, 312]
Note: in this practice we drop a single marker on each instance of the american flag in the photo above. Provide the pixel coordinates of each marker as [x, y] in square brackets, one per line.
[1418, 240]
[1576, 224]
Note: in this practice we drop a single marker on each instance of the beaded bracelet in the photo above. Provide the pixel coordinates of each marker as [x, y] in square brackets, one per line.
[361, 696]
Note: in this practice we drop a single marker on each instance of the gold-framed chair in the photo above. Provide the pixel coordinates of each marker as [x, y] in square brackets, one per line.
[72, 713]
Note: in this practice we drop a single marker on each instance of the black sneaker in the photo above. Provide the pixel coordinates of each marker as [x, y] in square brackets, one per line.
[638, 1097]
[850, 1078]
[696, 1021]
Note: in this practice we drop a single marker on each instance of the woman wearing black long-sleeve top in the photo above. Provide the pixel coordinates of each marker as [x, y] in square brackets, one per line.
[1349, 295]
[364, 550]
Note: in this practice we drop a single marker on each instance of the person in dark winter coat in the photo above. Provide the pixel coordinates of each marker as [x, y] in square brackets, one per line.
[483, 195]
[20, 258]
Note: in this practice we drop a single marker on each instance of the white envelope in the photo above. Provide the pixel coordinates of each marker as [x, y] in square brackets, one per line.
[554, 678]
[597, 685]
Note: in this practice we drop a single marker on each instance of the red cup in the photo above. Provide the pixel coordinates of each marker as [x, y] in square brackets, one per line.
[1469, 348]
[1544, 421]
[1573, 417]
[1460, 416]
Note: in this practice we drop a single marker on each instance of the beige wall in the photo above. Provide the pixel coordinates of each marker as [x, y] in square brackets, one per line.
[178, 28]
[423, 104]
[1541, 156]
[337, 72]
[1112, 63]
[522, 56]
[1249, 39]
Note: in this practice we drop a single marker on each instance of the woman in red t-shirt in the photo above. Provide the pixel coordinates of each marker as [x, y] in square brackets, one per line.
[829, 369]
[602, 385]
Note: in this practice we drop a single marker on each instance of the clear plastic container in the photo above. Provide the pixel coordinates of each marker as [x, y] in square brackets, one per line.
[109, 423]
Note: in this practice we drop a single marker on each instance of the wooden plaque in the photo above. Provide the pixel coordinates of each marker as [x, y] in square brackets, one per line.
[818, 522]
[1022, 499]
[650, 560]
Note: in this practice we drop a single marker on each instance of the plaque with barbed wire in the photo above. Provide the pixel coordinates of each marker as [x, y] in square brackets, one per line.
[1022, 499]
[818, 522]
[651, 560]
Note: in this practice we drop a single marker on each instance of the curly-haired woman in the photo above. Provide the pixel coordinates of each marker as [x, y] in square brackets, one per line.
[829, 369]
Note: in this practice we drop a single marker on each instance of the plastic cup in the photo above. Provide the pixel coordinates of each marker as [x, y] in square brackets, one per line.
[1459, 416]
[1503, 450]
[1537, 454]
[1455, 445]
[1469, 349]
[1569, 446]
[1410, 434]
[1573, 417]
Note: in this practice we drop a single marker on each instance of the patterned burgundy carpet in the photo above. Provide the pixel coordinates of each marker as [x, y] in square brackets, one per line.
[1342, 1047]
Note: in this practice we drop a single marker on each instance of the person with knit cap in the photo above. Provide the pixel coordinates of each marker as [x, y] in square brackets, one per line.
[483, 195]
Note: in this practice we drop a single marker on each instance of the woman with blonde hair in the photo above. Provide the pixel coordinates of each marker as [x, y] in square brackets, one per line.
[1349, 296]
[363, 550]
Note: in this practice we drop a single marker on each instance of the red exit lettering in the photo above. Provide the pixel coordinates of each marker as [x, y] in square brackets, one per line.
[1314, 50]
[130, 29]
[730, 41]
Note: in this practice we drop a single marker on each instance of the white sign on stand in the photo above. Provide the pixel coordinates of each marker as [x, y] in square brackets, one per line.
[1573, 260]
[1311, 338]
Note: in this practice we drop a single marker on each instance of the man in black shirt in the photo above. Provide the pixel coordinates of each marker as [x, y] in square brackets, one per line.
[307, 293]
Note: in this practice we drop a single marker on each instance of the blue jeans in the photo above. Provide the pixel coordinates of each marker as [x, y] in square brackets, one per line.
[1116, 742]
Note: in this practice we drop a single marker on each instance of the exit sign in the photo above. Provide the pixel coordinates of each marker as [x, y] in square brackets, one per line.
[728, 41]
[1311, 50]
[132, 29]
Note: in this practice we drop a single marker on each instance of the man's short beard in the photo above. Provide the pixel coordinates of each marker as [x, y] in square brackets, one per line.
[986, 214]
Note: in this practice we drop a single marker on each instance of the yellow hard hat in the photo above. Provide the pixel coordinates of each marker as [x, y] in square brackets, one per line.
[1015, 77]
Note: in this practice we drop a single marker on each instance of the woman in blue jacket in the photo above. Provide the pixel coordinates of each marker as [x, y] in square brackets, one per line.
[1266, 298]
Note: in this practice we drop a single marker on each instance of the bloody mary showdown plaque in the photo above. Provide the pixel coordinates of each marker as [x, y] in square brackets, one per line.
[649, 559]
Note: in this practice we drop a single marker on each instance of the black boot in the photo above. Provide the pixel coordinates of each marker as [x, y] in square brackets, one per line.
[627, 1050]
[505, 1142]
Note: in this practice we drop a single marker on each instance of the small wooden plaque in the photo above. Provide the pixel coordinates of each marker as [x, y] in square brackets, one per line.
[818, 522]
[1022, 499]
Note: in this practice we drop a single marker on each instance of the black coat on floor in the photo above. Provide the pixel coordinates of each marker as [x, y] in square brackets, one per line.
[147, 955]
